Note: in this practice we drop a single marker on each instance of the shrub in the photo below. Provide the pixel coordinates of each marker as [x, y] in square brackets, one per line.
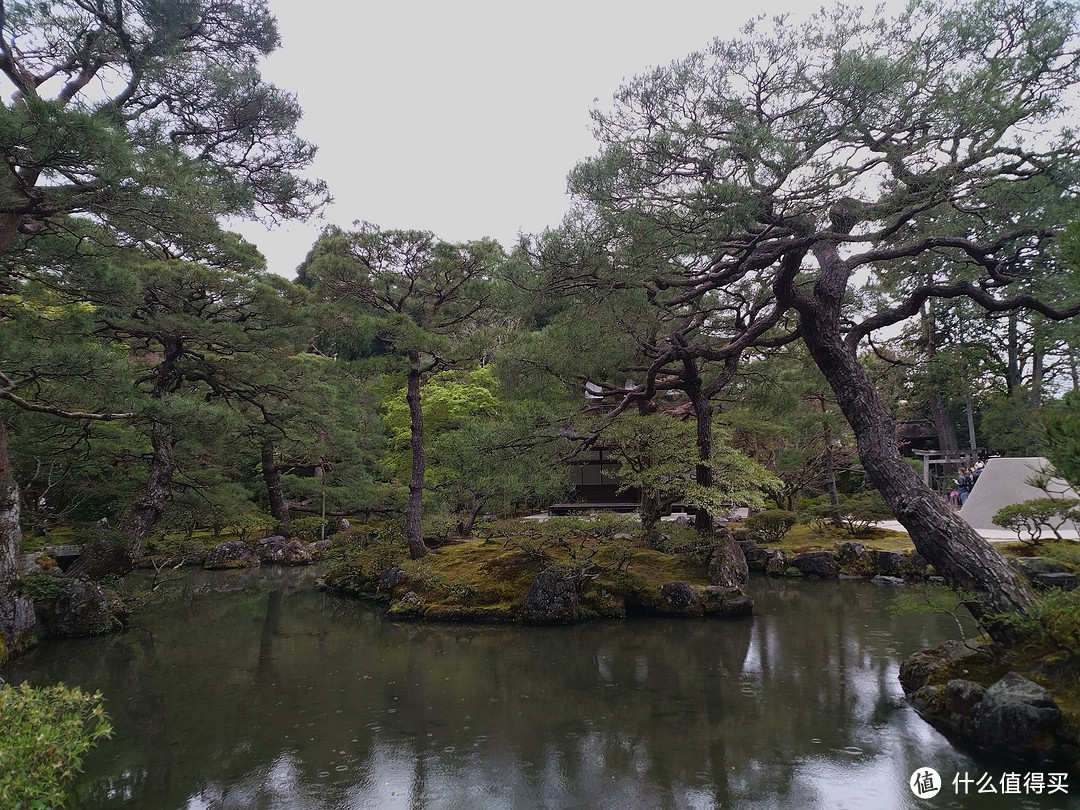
[46, 733]
[1030, 517]
[357, 568]
[42, 586]
[310, 529]
[770, 525]
[1052, 621]
[860, 511]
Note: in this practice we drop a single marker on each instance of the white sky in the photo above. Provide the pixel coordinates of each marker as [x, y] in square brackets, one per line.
[464, 117]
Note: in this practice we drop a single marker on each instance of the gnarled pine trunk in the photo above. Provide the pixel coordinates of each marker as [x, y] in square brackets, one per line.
[967, 562]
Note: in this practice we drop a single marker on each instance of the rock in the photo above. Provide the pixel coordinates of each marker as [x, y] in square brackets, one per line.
[17, 624]
[849, 551]
[727, 565]
[1017, 717]
[951, 708]
[390, 578]
[757, 558]
[84, 609]
[881, 579]
[271, 549]
[777, 564]
[889, 563]
[1041, 565]
[231, 554]
[919, 668]
[319, 548]
[915, 565]
[817, 564]
[679, 599]
[1065, 580]
[552, 599]
[727, 603]
[296, 554]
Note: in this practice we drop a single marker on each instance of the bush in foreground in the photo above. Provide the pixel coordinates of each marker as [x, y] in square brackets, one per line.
[46, 732]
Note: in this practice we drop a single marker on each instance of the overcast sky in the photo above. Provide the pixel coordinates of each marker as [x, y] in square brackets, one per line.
[464, 117]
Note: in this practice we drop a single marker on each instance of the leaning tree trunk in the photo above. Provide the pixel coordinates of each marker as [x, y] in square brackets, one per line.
[10, 511]
[989, 586]
[413, 532]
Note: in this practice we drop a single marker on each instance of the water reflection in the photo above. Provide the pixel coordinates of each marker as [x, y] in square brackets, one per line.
[252, 690]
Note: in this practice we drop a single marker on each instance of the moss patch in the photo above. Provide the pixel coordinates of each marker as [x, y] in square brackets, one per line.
[805, 537]
[488, 579]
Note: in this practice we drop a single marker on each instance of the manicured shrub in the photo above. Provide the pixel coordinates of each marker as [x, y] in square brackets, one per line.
[770, 525]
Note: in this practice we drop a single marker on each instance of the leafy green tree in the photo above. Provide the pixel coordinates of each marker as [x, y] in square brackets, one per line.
[784, 166]
[422, 299]
[658, 454]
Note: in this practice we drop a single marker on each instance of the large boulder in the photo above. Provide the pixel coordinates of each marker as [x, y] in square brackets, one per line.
[1017, 717]
[83, 608]
[817, 564]
[727, 565]
[757, 558]
[552, 599]
[951, 708]
[679, 599]
[390, 578]
[919, 668]
[727, 603]
[777, 565]
[297, 554]
[271, 549]
[231, 554]
[889, 563]
[17, 624]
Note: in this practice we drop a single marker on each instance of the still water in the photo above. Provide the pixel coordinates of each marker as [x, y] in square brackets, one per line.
[253, 690]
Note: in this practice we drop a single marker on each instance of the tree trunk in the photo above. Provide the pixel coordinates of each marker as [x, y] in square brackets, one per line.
[944, 426]
[279, 507]
[968, 563]
[147, 510]
[413, 512]
[703, 520]
[10, 510]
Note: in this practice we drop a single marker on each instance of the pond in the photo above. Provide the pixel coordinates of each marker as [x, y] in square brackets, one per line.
[254, 690]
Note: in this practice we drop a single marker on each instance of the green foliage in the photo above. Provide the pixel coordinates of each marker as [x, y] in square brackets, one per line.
[770, 525]
[42, 586]
[582, 548]
[1052, 621]
[1031, 517]
[310, 528]
[46, 733]
[1062, 438]
[355, 568]
[658, 454]
[859, 512]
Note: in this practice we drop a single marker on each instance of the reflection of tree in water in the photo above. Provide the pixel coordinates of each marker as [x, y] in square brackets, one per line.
[244, 698]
